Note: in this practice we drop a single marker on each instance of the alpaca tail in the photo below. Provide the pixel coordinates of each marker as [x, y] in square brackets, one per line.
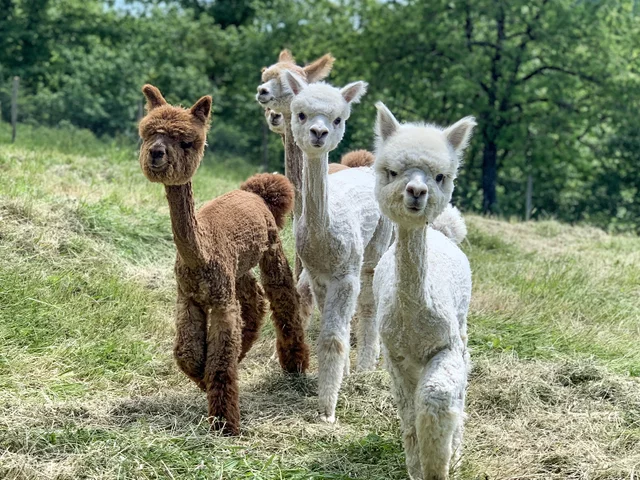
[357, 158]
[276, 191]
[451, 224]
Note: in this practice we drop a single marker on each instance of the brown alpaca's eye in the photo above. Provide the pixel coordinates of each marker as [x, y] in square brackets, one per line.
[439, 177]
[337, 121]
[302, 116]
[392, 173]
[186, 145]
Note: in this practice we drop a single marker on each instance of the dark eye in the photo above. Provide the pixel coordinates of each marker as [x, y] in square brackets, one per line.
[302, 116]
[337, 121]
[439, 177]
[392, 173]
[186, 145]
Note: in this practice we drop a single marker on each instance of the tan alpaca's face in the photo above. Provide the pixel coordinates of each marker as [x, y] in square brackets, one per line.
[416, 165]
[275, 121]
[173, 139]
[271, 92]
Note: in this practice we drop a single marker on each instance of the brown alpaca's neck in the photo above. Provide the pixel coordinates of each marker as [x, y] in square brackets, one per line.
[184, 223]
[293, 165]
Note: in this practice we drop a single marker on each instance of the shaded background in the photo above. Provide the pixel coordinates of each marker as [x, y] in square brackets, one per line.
[554, 84]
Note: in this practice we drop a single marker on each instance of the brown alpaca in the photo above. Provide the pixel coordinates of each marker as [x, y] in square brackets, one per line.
[220, 305]
[355, 159]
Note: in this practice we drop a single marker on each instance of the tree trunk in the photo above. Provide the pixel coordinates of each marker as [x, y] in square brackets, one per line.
[489, 177]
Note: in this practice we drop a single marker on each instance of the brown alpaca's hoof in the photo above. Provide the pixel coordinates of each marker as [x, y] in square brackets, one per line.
[294, 359]
[220, 425]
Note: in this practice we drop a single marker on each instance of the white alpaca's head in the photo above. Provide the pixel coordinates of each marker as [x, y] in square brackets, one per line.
[271, 92]
[416, 165]
[319, 112]
[275, 120]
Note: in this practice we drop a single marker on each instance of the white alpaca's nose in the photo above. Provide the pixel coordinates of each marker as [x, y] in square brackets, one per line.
[416, 189]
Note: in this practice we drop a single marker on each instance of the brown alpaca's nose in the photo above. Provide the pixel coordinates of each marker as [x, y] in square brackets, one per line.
[157, 153]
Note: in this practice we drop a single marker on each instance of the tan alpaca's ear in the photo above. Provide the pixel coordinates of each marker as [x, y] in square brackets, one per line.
[353, 92]
[386, 123]
[319, 69]
[153, 96]
[460, 132]
[292, 82]
[202, 109]
[285, 56]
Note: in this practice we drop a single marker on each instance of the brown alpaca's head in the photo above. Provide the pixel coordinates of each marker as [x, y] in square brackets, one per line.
[272, 94]
[173, 138]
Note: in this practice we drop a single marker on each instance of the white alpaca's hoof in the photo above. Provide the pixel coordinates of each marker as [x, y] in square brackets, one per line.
[327, 418]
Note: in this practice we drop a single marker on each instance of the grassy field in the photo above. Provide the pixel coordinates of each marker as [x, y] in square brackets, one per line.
[88, 387]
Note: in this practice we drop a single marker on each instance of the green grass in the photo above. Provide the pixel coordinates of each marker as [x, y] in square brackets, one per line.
[88, 387]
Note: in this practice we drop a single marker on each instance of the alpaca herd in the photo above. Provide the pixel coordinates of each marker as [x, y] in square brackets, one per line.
[376, 240]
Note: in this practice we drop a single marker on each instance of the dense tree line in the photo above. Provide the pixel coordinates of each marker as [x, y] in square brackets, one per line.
[554, 84]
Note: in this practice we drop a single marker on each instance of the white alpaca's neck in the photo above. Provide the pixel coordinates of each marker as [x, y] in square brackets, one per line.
[315, 196]
[411, 263]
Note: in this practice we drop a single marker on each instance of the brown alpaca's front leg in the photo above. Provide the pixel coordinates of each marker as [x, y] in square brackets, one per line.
[191, 336]
[253, 308]
[280, 288]
[221, 370]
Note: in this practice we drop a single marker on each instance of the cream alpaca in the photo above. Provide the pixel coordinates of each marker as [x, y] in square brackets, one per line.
[341, 234]
[273, 95]
[423, 287]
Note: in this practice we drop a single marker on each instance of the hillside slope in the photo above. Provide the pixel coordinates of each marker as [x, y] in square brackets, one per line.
[88, 387]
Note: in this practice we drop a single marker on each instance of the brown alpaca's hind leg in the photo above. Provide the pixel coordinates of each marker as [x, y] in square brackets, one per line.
[280, 288]
[253, 308]
[221, 370]
[191, 335]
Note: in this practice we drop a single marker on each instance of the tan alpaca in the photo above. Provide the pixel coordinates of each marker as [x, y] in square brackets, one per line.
[272, 94]
[220, 305]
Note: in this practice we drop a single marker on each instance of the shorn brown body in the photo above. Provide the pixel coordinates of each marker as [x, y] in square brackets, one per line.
[220, 305]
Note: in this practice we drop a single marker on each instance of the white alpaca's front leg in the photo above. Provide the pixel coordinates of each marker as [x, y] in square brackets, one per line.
[367, 328]
[333, 342]
[404, 390]
[439, 405]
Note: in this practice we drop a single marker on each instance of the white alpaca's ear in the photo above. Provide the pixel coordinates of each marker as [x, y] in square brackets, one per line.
[459, 133]
[353, 92]
[386, 123]
[319, 69]
[292, 82]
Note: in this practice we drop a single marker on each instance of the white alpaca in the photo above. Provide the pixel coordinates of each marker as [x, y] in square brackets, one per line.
[422, 288]
[341, 234]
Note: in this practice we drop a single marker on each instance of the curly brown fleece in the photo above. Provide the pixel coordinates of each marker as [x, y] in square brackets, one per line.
[220, 305]
[357, 158]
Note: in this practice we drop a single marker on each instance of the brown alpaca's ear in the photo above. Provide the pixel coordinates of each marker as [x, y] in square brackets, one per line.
[285, 56]
[319, 69]
[202, 109]
[154, 97]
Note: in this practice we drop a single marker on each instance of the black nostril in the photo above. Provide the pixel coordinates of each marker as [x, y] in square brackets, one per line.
[323, 134]
[263, 91]
[319, 134]
[157, 153]
[416, 192]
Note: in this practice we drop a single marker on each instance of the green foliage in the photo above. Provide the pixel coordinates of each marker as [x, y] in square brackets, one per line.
[554, 84]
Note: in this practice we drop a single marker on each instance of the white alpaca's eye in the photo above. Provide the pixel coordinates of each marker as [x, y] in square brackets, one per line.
[337, 121]
[392, 174]
[302, 116]
[439, 177]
